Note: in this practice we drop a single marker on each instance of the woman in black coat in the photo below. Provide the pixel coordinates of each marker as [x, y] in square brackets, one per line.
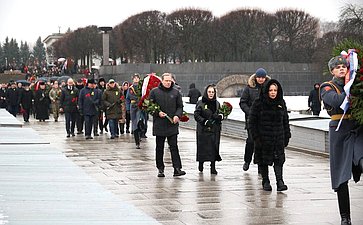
[208, 129]
[270, 130]
[26, 102]
[41, 102]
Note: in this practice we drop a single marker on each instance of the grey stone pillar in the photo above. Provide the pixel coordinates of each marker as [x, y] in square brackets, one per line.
[106, 44]
[106, 48]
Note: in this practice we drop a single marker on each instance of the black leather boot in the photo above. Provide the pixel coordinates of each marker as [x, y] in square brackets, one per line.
[279, 181]
[178, 172]
[200, 166]
[249, 149]
[344, 203]
[161, 173]
[265, 179]
[213, 168]
[137, 139]
[246, 166]
[345, 219]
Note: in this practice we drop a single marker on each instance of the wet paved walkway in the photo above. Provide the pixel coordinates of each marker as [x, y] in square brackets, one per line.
[231, 197]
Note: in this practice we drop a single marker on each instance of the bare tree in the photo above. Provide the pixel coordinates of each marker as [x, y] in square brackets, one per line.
[271, 32]
[298, 35]
[351, 20]
[240, 33]
[325, 45]
[189, 33]
[79, 44]
[140, 37]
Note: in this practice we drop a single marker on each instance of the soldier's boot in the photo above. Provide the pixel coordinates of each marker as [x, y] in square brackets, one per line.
[344, 203]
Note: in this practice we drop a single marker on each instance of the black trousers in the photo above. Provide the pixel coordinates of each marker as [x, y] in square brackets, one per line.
[26, 114]
[316, 113]
[95, 124]
[71, 119]
[249, 148]
[175, 157]
[100, 121]
[13, 109]
[80, 122]
[88, 122]
[128, 119]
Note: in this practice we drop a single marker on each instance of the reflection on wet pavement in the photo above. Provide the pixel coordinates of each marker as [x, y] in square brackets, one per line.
[231, 197]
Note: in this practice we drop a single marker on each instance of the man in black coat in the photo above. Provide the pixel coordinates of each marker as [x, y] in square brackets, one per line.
[13, 97]
[26, 102]
[89, 102]
[193, 94]
[249, 94]
[166, 122]
[3, 91]
[314, 101]
[68, 104]
[80, 120]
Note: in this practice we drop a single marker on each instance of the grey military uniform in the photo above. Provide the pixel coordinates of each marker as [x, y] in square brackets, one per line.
[344, 143]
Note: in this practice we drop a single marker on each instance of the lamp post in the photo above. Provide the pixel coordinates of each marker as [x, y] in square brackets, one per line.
[106, 44]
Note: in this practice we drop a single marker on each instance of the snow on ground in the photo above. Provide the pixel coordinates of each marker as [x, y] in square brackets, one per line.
[295, 104]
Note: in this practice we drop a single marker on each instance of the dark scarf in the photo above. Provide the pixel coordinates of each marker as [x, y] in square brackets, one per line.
[264, 93]
[211, 103]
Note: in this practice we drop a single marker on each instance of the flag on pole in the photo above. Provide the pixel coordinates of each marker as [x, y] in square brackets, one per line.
[352, 59]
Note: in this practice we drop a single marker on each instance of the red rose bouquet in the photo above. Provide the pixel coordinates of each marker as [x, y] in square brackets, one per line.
[225, 109]
[153, 108]
[184, 117]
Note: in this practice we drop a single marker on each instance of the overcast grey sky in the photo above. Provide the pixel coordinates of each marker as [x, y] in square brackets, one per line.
[26, 20]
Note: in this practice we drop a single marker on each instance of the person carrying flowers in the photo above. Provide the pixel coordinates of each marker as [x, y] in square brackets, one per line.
[132, 99]
[345, 134]
[170, 104]
[208, 117]
[114, 106]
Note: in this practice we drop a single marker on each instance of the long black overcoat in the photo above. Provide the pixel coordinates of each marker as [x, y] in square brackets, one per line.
[208, 137]
[41, 102]
[269, 126]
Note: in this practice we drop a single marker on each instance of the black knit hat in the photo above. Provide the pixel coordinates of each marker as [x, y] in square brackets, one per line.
[91, 81]
[261, 72]
[101, 79]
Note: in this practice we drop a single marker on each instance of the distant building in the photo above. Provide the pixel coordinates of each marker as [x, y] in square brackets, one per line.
[48, 41]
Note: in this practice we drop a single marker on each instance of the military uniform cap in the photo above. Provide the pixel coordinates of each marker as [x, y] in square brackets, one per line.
[335, 61]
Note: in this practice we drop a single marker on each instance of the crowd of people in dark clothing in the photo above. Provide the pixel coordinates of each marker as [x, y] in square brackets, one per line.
[97, 106]
[43, 98]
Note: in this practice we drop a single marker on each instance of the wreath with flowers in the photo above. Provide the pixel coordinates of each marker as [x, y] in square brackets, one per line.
[347, 49]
